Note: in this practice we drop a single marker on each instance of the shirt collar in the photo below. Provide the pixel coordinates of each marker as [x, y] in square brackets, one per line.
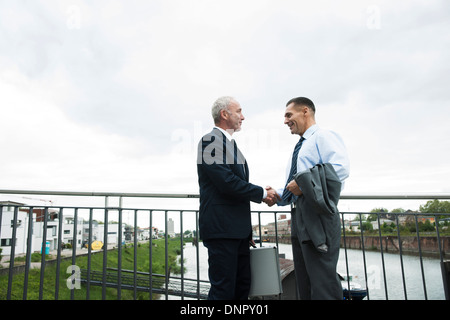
[225, 133]
[310, 131]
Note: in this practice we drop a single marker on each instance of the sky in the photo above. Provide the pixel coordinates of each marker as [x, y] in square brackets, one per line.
[114, 95]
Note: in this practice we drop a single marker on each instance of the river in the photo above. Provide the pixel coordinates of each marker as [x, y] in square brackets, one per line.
[375, 274]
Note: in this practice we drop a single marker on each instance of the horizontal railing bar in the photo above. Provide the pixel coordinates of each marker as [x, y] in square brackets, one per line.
[156, 275]
[406, 196]
[395, 197]
[193, 210]
[100, 194]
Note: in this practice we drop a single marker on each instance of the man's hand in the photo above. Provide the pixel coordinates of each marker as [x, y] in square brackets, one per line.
[272, 196]
[294, 188]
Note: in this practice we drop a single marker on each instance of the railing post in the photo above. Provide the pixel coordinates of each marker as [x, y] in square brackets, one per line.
[105, 253]
[13, 252]
[166, 254]
[150, 255]
[29, 251]
[445, 267]
[43, 254]
[58, 256]
[119, 258]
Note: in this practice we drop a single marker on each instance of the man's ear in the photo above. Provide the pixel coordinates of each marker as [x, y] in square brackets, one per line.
[224, 114]
[305, 110]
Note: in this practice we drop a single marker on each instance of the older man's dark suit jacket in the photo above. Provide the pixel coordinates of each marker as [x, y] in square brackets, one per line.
[225, 191]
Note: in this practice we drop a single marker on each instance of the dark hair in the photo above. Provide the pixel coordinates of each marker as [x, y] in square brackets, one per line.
[302, 101]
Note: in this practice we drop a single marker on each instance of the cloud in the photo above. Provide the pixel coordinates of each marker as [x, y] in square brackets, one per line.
[116, 94]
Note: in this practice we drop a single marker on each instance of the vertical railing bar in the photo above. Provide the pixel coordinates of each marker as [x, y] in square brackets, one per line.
[150, 271]
[88, 279]
[277, 248]
[198, 254]
[181, 255]
[12, 253]
[29, 250]
[276, 229]
[43, 249]
[400, 247]
[421, 258]
[119, 257]
[119, 266]
[58, 256]
[74, 247]
[346, 257]
[382, 256]
[441, 256]
[1, 219]
[259, 227]
[105, 253]
[135, 254]
[445, 281]
[166, 241]
[441, 252]
[364, 255]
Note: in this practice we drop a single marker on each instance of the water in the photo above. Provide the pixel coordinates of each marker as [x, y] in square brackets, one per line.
[375, 274]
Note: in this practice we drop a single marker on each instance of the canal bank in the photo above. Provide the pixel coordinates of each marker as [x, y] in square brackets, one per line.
[408, 244]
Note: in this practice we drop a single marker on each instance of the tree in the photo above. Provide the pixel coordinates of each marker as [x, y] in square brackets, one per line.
[436, 206]
[379, 210]
[367, 226]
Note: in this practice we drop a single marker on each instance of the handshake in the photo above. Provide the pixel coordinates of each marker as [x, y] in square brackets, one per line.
[272, 196]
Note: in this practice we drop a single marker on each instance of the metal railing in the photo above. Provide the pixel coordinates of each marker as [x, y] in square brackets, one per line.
[105, 274]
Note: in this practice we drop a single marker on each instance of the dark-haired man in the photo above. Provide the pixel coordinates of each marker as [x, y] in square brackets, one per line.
[315, 263]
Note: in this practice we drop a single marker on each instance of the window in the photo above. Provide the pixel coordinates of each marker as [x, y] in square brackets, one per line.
[53, 229]
[19, 222]
[6, 242]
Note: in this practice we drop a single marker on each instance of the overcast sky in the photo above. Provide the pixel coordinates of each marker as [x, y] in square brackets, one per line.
[114, 95]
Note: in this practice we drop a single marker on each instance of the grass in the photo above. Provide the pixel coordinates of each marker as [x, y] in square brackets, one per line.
[50, 274]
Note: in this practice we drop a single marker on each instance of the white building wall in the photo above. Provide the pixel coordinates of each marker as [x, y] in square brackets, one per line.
[7, 231]
[38, 235]
[113, 233]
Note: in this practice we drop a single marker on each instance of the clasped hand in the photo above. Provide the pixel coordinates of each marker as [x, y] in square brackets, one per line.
[294, 188]
[272, 196]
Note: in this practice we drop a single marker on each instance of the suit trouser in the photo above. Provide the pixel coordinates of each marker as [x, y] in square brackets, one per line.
[229, 269]
[315, 272]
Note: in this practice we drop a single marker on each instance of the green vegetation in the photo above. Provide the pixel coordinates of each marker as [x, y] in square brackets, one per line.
[142, 260]
[407, 226]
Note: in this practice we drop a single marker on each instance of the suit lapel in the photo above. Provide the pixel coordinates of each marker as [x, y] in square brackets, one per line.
[233, 156]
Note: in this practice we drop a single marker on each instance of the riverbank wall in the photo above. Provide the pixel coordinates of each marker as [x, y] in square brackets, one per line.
[408, 244]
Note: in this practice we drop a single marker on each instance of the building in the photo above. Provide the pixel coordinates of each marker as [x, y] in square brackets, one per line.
[283, 226]
[171, 228]
[113, 234]
[7, 228]
[77, 237]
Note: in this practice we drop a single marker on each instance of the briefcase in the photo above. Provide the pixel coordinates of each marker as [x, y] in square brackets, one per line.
[265, 268]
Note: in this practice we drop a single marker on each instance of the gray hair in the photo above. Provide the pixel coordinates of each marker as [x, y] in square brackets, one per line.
[219, 105]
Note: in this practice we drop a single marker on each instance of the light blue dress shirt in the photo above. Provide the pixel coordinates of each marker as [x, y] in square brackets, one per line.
[320, 146]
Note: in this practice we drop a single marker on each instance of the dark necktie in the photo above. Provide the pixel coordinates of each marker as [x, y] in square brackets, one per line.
[238, 156]
[287, 195]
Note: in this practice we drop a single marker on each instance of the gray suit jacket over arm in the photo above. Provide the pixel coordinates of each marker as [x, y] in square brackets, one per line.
[317, 215]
